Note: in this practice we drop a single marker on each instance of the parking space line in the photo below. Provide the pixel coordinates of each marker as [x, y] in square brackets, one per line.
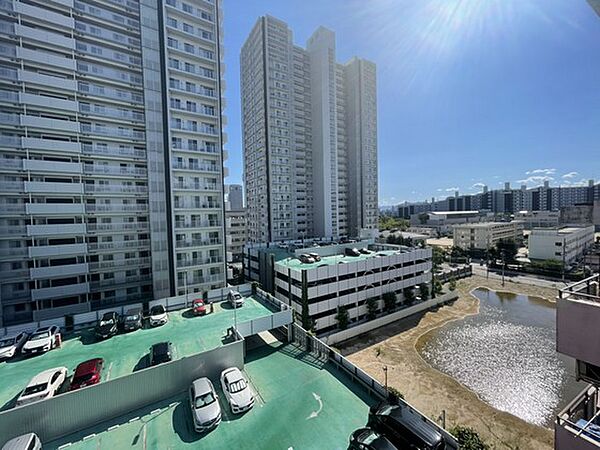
[110, 366]
[255, 389]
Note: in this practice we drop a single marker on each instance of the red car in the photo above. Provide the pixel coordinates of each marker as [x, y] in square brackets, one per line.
[198, 307]
[87, 373]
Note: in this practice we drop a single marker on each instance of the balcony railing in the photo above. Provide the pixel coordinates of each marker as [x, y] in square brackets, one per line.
[198, 167]
[116, 282]
[199, 261]
[205, 280]
[196, 186]
[113, 151]
[119, 263]
[12, 186]
[116, 208]
[136, 226]
[198, 224]
[119, 245]
[195, 148]
[197, 243]
[577, 427]
[115, 188]
[114, 170]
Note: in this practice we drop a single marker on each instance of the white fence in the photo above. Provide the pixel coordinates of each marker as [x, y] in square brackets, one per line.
[387, 319]
[84, 320]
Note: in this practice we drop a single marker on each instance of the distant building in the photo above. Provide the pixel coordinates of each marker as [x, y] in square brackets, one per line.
[583, 214]
[481, 236]
[561, 244]
[443, 221]
[337, 280]
[234, 197]
[538, 219]
[236, 234]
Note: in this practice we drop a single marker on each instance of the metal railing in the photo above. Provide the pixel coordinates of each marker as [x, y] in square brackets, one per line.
[587, 289]
[578, 418]
[198, 224]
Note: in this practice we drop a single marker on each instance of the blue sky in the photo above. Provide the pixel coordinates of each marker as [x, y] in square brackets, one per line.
[469, 91]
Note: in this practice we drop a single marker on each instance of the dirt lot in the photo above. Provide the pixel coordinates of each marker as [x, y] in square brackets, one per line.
[432, 391]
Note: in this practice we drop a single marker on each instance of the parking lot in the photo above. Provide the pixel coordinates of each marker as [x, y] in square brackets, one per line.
[301, 403]
[125, 353]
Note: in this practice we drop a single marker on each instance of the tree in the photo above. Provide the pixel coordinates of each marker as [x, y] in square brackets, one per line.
[342, 317]
[423, 218]
[437, 287]
[424, 291]
[409, 295]
[389, 301]
[508, 248]
[438, 257]
[371, 308]
[452, 284]
[468, 438]
[389, 223]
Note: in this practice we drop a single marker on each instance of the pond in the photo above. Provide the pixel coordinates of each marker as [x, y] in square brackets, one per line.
[507, 355]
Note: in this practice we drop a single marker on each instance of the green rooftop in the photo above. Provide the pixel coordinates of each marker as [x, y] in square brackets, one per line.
[294, 263]
[127, 352]
[302, 403]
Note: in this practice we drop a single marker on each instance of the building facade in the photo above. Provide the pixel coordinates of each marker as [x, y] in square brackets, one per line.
[309, 137]
[538, 219]
[482, 236]
[338, 280]
[111, 160]
[234, 197]
[560, 244]
[443, 221]
[236, 235]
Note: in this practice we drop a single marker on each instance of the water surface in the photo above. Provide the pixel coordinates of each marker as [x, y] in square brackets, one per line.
[507, 355]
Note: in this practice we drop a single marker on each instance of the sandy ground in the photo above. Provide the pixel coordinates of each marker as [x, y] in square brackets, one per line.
[431, 391]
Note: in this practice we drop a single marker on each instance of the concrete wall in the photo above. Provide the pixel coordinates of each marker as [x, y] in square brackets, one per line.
[84, 408]
[385, 320]
[577, 329]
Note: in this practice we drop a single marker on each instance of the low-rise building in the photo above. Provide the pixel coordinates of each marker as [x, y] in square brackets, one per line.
[565, 244]
[582, 214]
[538, 219]
[443, 221]
[336, 280]
[481, 236]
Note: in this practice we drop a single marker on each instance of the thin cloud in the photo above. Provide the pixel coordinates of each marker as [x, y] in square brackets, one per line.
[478, 186]
[570, 175]
[451, 189]
[535, 180]
[541, 171]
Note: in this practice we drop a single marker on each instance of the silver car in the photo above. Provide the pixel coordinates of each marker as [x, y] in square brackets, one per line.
[204, 402]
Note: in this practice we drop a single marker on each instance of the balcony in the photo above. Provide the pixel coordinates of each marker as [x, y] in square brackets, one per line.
[14, 274]
[189, 205]
[57, 250]
[114, 170]
[60, 291]
[111, 227]
[54, 208]
[120, 281]
[127, 152]
[54, 188]
[94, 208]
[58, 271]
[577, 427]
[37, 165]
[198, 224]
[195, 148]
[196, 167]
[115, 189]
[52, 230]
[51, 145]
[205, 280]
[189, 186]
[198, 243]
[577, 330]
[118, 263]
[13, 253]
[119, 245]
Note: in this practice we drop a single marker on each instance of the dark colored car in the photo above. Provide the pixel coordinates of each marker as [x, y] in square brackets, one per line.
[367, 439]
[198, 307]
[351, 252]
[132, 320]
[161, 353]
[404, 427]
[108, 325]
[364, 251]
[87, 373]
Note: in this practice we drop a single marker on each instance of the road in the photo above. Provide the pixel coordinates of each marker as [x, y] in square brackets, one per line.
[518, 278]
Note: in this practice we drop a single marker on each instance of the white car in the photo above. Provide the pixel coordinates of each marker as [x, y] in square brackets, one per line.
[29, 441]
[235, 299]
[236, 390]
[42, 340]
[204, 402]
[11, 345]
[158, 316]
[44, 385]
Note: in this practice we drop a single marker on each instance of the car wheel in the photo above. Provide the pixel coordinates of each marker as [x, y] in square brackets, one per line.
[231, 408]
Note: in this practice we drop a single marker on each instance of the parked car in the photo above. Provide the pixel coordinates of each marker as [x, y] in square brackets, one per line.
[367, 439]
[364, 251]
[351, 252]
[132, 320]
[107, 326]
[404, 427]
[236, 389]
[44, 385]
[235, 299]
[198, 307]
[158, 316]
[315, 256]
[12, 345]
[161, 353]
[29, 441]
[306, 258]
[42, 340]
[87, 373]
[204, 402]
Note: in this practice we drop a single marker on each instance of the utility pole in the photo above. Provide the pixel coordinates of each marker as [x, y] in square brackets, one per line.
[487, 257]
[385, 370]
[503, 266]
[564, 259]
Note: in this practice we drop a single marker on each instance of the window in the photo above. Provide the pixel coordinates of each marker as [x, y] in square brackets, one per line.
[187, 8]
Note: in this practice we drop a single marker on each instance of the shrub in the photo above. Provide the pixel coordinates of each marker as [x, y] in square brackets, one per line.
[409, 295]
[468, 438]
[424, 291]
[371, 308]
[389, 301]
[395, 392]
[342, 317]
[452, 284]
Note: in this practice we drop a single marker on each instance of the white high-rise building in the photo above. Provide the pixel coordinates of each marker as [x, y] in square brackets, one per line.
[310, 137]
[111, 161]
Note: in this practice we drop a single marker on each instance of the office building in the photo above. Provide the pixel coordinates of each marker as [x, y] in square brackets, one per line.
[578, 337]
[443, 221]
[482, 236]
[111, 154]
[337, 279]
[234, 198]
[565, 244]
[538, 219]
[309, 137]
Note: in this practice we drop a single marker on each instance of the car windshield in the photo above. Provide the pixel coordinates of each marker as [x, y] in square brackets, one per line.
[7, 342]
[82, 378]
[40, 335]
[107, 322]
[131, 318]
[35, 389]
[386, 410]
[204, 400]
[367, 437]
[157, 310]
[237, 386]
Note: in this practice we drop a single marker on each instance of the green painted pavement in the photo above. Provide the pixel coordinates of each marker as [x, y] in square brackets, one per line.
[301, 404]
[125, 353]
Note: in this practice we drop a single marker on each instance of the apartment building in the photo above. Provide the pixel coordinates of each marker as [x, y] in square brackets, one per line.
[481, 236]
[234, 197]
[111, 160]
[336, 279]
[309, 137]
[578, 336]
[565, 244]
[236, 234]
